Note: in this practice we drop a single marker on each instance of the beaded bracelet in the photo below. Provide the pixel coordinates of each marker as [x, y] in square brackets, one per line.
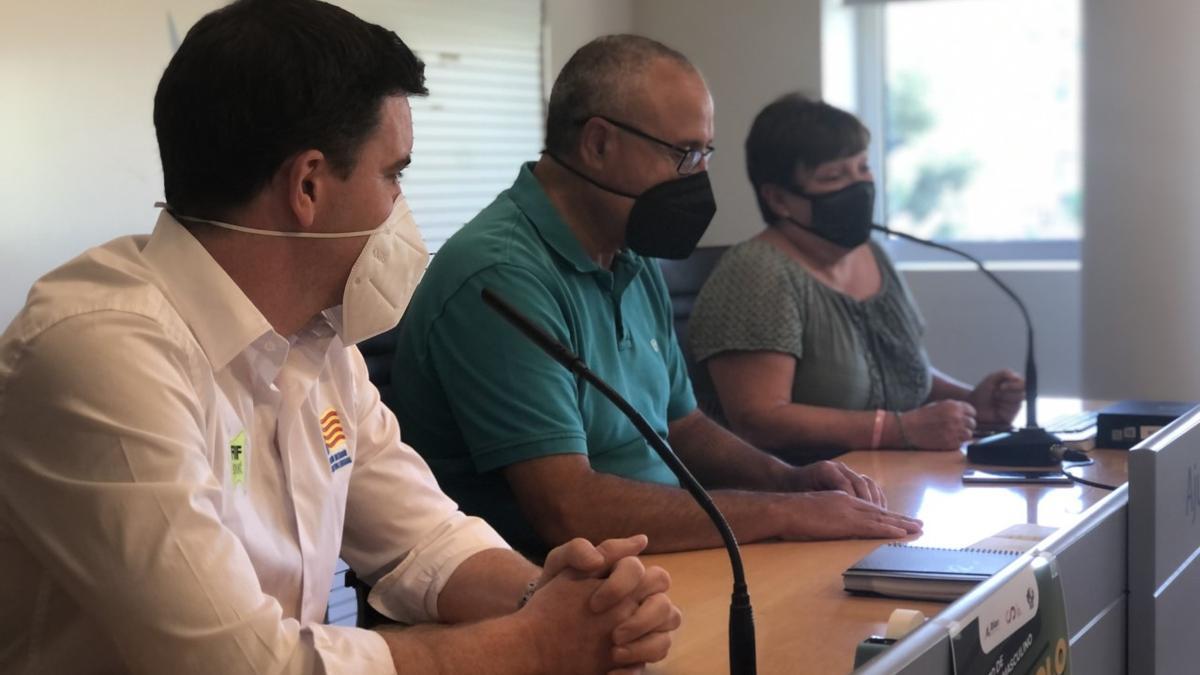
[908, 445]
[529, 591]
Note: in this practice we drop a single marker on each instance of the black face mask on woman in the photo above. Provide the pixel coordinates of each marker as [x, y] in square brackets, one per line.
[842, 217]
[668, 219]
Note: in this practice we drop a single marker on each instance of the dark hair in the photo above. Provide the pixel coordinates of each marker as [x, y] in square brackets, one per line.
[795, 131]
[258, 81]
[596, 80]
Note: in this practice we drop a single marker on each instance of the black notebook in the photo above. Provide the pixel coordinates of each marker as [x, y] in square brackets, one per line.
[924, 573]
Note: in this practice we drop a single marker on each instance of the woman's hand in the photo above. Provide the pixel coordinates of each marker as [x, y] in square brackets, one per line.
[997, 398]
[942, 425]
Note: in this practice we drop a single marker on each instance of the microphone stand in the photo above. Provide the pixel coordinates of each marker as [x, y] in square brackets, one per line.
[1024, 447]
[742, 659]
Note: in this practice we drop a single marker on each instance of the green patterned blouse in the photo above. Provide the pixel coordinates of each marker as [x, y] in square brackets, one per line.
[850, 354]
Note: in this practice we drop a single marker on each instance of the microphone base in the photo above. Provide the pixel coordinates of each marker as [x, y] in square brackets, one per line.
[1025, 447]
[743, 659]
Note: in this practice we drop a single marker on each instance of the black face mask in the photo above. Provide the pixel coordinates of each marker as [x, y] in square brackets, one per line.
[667, 220]
[842, 217]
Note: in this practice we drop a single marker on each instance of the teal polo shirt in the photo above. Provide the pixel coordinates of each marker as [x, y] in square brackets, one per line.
[473, 395]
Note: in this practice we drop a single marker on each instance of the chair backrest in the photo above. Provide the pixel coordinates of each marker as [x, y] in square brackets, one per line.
[684, 280]
[379, 352]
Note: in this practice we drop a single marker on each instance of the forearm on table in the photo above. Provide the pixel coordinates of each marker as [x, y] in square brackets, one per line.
[500, 646]
[487, 584]
[721, 459]
[792, 430]
[603, 506]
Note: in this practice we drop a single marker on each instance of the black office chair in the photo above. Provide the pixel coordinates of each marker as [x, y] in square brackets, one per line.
[366, 617]
[379, 352]
[684, 280]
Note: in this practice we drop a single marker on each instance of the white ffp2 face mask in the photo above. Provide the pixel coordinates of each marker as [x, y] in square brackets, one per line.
[383, 277]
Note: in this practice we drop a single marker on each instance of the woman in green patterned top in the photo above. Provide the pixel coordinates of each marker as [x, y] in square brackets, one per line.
[810, 337]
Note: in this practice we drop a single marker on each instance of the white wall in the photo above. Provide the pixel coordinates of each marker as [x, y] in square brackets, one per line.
[570, 24]
[80, 163]
[972, 329]
[1142, 327]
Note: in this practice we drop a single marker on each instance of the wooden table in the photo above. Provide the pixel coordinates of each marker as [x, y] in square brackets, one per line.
[805, 622]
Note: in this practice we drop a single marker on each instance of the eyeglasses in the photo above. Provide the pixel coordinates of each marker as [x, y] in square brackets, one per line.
[690, 158]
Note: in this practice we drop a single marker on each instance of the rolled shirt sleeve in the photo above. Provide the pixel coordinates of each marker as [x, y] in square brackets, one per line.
[402, 534]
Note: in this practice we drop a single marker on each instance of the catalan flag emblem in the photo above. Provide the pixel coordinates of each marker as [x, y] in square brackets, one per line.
[335, 440]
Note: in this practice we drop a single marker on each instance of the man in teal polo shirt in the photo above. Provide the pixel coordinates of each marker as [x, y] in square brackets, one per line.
[513, 436]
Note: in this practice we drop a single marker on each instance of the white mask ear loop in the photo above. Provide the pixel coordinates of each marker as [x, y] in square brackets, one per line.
[268, 233]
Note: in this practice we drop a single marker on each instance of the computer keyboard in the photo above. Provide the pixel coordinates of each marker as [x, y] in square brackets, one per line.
[1071, 423]
[1071, 426]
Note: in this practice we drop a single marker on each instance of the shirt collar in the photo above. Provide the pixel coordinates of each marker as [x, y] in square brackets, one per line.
[224, 321]
[528, 195]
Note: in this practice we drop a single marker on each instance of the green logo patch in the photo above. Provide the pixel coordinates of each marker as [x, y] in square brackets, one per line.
[237, 458]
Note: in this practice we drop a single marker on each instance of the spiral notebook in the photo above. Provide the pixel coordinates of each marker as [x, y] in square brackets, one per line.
[924, 573]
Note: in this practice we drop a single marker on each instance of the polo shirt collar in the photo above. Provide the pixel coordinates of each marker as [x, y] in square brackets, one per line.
[224, 321]
[528, 195]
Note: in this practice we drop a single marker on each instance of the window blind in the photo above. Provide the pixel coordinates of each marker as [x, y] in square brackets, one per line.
[484, 115]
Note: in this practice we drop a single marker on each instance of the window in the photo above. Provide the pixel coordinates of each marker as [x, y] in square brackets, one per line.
[976, 120]
[483, 116]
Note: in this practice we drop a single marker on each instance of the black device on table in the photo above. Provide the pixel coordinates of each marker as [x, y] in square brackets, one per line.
[1124, 424]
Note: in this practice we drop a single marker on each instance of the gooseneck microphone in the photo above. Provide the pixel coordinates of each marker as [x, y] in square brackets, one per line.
[742, 659]
[1031, 445]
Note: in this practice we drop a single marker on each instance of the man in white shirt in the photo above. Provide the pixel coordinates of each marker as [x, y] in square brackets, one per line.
[190, 438]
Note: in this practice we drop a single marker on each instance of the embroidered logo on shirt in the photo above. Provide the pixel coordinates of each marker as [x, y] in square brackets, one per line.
[654, 344]
[237, 459]
[335, 440]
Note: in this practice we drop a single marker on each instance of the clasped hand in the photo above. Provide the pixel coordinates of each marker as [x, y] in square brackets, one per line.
[628, 619]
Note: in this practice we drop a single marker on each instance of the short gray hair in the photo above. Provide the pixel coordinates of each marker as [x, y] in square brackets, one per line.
[597, 80]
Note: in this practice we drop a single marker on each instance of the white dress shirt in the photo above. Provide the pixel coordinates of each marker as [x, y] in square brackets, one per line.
[177, 480]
